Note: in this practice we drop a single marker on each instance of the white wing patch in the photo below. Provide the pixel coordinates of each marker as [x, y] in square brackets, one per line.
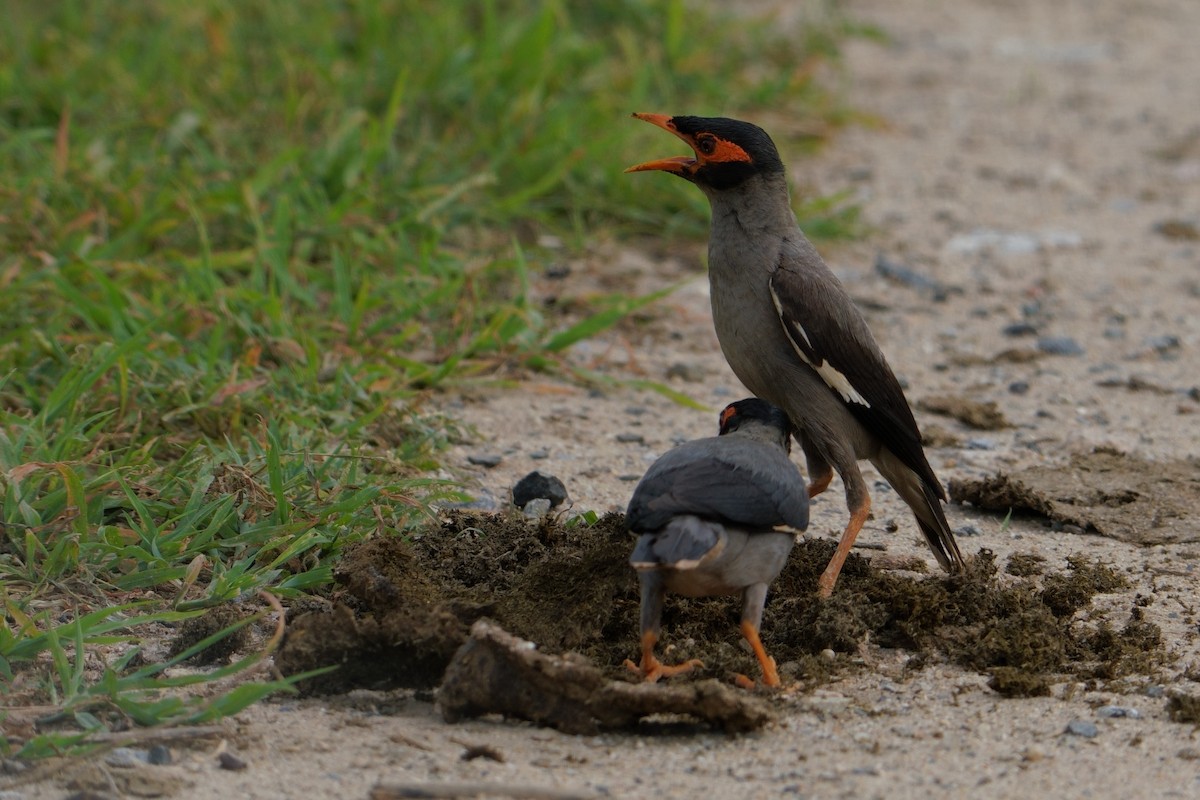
[831, 375]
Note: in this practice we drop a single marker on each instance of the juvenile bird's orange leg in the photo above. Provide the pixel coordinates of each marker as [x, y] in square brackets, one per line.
[651, 669]
[829, 577]
[770, 676]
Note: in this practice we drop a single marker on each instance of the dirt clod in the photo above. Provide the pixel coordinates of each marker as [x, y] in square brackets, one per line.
[496, 672]
[197, 629]
[405, 608]
[1184, 708]
[1104, 492]
[984, 416]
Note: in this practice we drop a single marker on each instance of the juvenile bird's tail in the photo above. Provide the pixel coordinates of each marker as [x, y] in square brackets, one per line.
[682, 543]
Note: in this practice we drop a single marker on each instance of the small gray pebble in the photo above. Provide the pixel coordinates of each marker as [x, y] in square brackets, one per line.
[1118, 712]
[631, 438]
[635, 411]
[692, 373]
[485, 460]
[1154, 690]
[967, 530]
[125, 757]
[904, 274]
[1018, 387]
[536, 508]
[538, 455]
[1059, 346]
[12, 766]
[1020, 329]
[229, 761]
[1080, 727]
[629, 477]
[1163, 344]
[1114, 332]
[159, 755]
[980, 443]
[721, 391]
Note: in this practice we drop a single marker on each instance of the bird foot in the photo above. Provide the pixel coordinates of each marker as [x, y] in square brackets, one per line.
[650, 670]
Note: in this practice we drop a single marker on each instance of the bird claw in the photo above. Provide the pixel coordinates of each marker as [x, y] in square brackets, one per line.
[650, 671]
[744, 682]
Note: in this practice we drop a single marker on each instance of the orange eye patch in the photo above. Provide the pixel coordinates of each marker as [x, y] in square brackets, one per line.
[726, 151]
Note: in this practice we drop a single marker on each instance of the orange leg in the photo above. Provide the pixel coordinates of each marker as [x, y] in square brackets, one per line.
[819, 481]
[651, 669]
[829, 577]
[770, 676]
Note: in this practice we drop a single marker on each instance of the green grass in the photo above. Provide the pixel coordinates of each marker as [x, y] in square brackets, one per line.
[240, 241]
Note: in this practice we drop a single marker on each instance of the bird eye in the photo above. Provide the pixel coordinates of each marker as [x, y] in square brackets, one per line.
[706, 145]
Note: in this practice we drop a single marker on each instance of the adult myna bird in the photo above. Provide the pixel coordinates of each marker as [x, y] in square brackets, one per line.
[708, 512]
[795, 338]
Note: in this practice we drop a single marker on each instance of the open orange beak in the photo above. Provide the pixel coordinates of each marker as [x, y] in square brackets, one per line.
[678, 165]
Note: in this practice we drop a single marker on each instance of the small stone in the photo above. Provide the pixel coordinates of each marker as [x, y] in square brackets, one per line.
[159, 755]
[229, 761]
[967, 530]
[630, 438]
[538, 485]
[1163, 344]
[1020, 329]
[1118, 712]
[906, 275]
[1019, 387]
[536, 508]
[828, 654]
[125, 757]
[629, 477]
[1059, 346]
[1154, 690]
[1188, 754]
[635, 411]
[556, 272]
[538, 455]
[692, 373]
[1080, 727]
[12, 766]
[487, 460]
[981, 443]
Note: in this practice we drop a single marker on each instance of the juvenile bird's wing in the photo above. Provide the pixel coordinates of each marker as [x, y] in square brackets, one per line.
[841, 349]
[731, 479]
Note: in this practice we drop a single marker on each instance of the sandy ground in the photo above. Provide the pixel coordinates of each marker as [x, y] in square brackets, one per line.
[1040, 163]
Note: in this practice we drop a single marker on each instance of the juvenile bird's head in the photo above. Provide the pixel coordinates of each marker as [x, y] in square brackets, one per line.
[727, 151]
[757, 418]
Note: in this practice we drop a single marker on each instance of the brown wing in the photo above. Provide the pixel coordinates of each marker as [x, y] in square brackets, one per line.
[841, 349]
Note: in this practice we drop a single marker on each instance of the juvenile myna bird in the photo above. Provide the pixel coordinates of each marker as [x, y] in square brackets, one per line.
[708, 512]
[795, 338]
